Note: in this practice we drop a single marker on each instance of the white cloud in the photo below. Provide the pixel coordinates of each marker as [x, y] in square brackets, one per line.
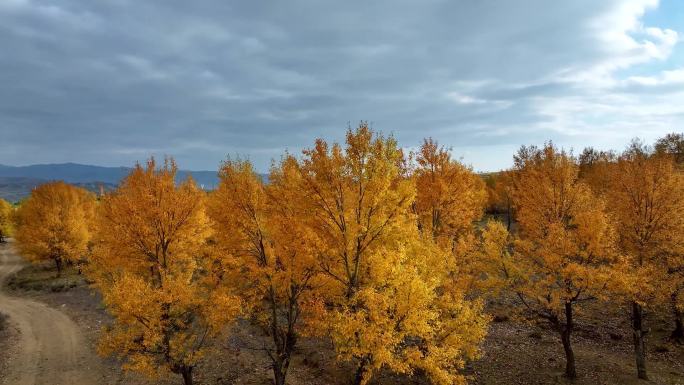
[464, 99]
[663, 78]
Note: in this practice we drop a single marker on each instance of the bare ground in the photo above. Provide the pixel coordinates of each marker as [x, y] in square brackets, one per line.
[519, 352]
[515, 352]
[50, 348]
[8, 341]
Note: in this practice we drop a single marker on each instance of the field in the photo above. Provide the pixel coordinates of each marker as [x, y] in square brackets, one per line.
[516, 351]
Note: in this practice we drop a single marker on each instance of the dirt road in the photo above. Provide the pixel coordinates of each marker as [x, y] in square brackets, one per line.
[51, 349]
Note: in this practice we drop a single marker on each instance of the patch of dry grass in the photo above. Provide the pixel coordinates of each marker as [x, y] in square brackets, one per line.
[516, 351]
[42, 277]
[4, 321]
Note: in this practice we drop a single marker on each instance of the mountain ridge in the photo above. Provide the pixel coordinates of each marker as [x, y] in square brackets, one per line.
[16, 182]
[85, 173]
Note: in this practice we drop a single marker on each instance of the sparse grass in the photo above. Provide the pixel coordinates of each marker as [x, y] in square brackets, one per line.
[3, 321]
[526, 353]
[517, 351]
[42, 277]
[7, 333]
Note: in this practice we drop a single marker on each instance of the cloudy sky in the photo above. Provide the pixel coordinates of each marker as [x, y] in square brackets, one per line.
[109, 82]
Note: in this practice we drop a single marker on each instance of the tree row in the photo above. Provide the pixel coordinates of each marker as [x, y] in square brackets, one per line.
[386, 254]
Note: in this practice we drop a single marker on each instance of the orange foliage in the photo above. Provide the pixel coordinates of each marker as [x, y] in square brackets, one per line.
[566, 246]
[499, 200]
[152, 263]
[450, 197]
[54, 224]
[647, 198]
[386, 303]
[267, 251]
[6, 216]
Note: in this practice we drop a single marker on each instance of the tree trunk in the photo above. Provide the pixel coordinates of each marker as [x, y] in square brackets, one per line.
[678, 332]
[509, 215]
[283, 340]
[359, 377]
[566, 332]
[186, 372]
[281, 362]
[639, 340]
[279, 373]
[58, 263]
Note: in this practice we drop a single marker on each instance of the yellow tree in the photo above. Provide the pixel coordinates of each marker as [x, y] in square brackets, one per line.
[566, 243]
[385, 307]
[672, 144]
[493, 261]
[5, 220]
[152, 263]
[54, 224]
[499, 195]
[673, 290]
[595, 168]
[449, 198]
[267, 251]
[647, 199]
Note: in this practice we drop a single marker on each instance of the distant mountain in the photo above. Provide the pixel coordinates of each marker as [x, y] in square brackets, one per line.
[16, 182]
[81, 173]
[14, 189]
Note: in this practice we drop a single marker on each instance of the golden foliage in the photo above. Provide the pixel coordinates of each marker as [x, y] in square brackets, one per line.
[672, 145]
[647, 197]
[152, 263]
[6, 217]
[564, 252]
[54, 224]
[493, 260]
[499, 200]
[566, 240]
[595, 169]
[647, 201]
[375, 251]
[266, 250]
[450, 197]
[387, 306]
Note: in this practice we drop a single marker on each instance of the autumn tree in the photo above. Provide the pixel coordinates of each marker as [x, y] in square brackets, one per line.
[647, 199]
[53, 224]
[5, 220]
[449, 196]
[385, 306]
[672, 144]
[565, 244]
[673, 286]
[495, 269]
[153, 266]
[267, 251]
[595, 168]
[499, 199]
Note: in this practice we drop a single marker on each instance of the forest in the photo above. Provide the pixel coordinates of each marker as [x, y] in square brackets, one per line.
[392, 257]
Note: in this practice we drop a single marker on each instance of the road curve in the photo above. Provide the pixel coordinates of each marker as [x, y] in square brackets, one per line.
[52, 350]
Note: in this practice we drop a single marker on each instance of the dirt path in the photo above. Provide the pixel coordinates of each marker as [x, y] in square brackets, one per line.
[51, 348]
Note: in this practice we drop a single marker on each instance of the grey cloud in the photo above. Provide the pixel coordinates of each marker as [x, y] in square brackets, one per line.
[107, 81]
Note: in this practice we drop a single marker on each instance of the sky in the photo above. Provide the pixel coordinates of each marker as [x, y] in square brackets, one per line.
[112, 82]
